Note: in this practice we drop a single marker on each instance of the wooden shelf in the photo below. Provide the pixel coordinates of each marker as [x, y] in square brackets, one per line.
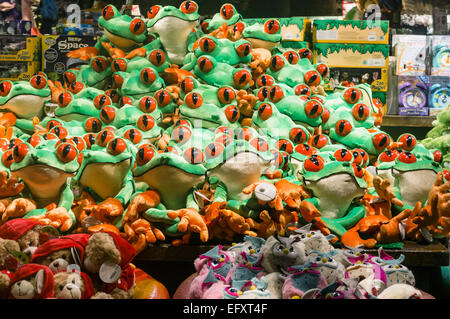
[408, 121]
[416, 255]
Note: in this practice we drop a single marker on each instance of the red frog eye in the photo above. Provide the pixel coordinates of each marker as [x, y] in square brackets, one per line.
[305, 54]
[116, 146]
[232, 113]
[360, 112]
[312, 78]
[34, 140]
[107, 114]
[163, 98]
[204, 64]
[325, 115]
[263, 93]
[352, 95]
[276, 63]
[239, 27]
[49, 136]
[108, 12]
[188, 7]
[380, 141]
[285, 146]
[181, 122]
[144, 154]
[137, 26]
[314, 164]
[227, 11]
[302, 89]
[89, 139]
[265, 111]
[193, 155]
[388, 156]
[66, 152]
[187, 85]
[170, 149]
[117, 80]
[60, 131]
[5, 87]
[64, 99]
[437, 156]
[313, 109]
[408, 142]
[133, 135]
[224, 130]
[76, 87]
[38, 82]
[224, 139]
[271, 26]
[93, 125]
[147, 104]
[226, 95]
[99, 64]
[244, 133]
[259, 144]
[148, 76]
[291, 56]
[7, 158]
[265, 80]
[343, 155]
[357, 157]
[407, 157]
[104, 137]
[304, 149]
[213, 150]
[242, 78]
[79, 143]
[152, 11]
[297, 135]
[113, 95]
[181, 134]
[119, 65]
[319, 141]
[69, 77]
[145, 122]
[279, 159]
[322, 69]
[124, 100]
[193, 100]
[358, 171]
[207, 45]
[343, 127]
[157, 57]
[101, 101]
[244, 50]
[275, 94]
[13, 142]
[446, 175]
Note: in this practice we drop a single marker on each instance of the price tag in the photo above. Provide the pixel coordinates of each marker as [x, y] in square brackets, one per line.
[109, 272]
[265, 192]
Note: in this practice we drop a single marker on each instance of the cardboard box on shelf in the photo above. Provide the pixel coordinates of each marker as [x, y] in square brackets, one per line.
[438, 94]
[413, 95]
[411, 54]
[355, 55]
[20, 48]
[350, 31]
[18, 70]
[295, 45]
[292, 28]
[377, 78]
[54, 49]
[440, 55]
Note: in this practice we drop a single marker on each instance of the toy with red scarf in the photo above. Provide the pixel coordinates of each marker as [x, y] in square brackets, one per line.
[32, 281]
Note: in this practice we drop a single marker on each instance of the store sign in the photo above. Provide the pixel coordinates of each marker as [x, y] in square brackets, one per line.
[73, 14]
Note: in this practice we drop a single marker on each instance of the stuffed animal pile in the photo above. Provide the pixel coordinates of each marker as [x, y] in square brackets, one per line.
[37, 264]
[302, 265]
[182, 131]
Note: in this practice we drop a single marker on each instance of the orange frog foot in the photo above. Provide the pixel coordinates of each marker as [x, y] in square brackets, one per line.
[139, 204]
[190, 221]
[114, 53]
[141, 232]
[85, 54]
[8, 120]
[106, 211]
[58, 218]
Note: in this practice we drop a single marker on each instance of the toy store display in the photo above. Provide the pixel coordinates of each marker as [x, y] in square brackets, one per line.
[413, 95]
[165, 130]
[411, 54]
[440, 49]
[438, 94]
[301, 265]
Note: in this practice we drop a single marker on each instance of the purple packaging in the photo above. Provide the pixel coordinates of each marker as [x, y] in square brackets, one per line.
[413, 95]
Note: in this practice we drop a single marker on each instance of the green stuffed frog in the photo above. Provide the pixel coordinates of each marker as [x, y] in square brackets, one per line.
[266, 36]
[138, 83]
[96, 74]
[227, 14]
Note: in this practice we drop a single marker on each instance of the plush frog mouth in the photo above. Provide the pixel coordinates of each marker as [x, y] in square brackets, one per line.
[26, 105]
[415, 185]
[119, 41]
[43, 181]
[105, 179]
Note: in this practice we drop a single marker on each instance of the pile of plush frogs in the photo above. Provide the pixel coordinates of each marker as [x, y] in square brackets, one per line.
[300, 265]
[184, 130]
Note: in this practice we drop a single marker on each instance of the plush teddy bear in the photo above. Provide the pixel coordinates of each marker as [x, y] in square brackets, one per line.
[26, 232]
[73, 285]
[8, 264]
[58, 253]
[108, 256]
[32, 281]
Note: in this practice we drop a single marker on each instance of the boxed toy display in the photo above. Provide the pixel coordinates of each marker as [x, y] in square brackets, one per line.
[292, 28]
[413, 95]
[440, 51]
[351, 31]
[18, 70]
[411, 54]
[439, 94]
[376, 77]
[20, 48]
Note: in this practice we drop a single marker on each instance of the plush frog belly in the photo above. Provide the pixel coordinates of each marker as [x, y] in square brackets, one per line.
[415, 185]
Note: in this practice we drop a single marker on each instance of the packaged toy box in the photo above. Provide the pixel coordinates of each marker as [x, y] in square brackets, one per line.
[440, 52]
[18, 70]
[292, 29]
[438, 94]
[413, 95]
[20, 48]
[411, 54]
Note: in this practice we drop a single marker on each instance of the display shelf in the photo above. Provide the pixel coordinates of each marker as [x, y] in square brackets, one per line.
[408, 121]
[416, 255]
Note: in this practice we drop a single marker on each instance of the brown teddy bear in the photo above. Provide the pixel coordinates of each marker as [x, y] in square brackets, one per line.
[26, 232]
[107, 255]
[8, 263]
[73, 285]
[58, 253]
[32, 281]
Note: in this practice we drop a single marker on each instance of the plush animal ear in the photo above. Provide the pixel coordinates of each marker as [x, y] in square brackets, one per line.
[39, 281]
[311, 293]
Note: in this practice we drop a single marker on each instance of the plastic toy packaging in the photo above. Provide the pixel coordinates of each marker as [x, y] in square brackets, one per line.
[440, 50]
[439, 94]
[411, 53]
[413, 95]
